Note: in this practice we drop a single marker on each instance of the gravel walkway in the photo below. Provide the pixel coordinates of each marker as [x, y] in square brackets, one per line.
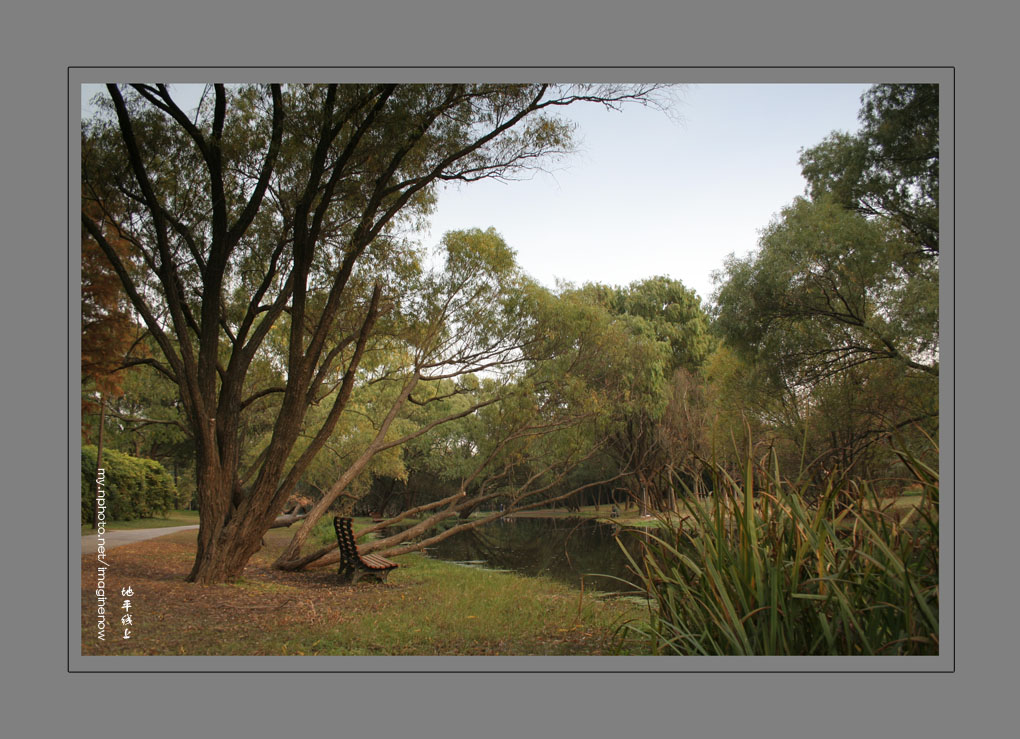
[89, 542]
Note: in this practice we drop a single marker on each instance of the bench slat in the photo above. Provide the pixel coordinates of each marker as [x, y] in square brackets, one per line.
[375, 561]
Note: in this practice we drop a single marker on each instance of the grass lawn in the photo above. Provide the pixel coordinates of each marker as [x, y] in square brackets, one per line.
[906, 499]
[896, 507]
[630, 517]
[425, 607]
[173, 518]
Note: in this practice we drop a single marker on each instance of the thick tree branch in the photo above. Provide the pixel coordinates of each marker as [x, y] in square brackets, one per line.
[261, 394]
[305, 459]
[152, 363]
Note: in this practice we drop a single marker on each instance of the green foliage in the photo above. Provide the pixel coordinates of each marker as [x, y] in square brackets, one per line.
[135, 487]
[261, 221]
[664, 309]
[850, 276]
[148, 418]
[579, 372]
[758, 571]
[830, 289]
[323, 534]
[476, 310]
[832, 327]
[890, 168]
[654, 339]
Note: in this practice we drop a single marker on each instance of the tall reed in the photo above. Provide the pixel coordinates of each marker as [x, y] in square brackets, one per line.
[757, 569]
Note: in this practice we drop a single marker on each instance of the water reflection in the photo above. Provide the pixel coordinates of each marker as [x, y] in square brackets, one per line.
[564, 549]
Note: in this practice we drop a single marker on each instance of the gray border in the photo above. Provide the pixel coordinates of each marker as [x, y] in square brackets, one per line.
[38, 41]
[944, 662]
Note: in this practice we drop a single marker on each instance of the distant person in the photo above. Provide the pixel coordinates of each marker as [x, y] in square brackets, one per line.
[615, 512]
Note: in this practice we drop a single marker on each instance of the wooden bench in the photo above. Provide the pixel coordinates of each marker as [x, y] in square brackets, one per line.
[354, 566]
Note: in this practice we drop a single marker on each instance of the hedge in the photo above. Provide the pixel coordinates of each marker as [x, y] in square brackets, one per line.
[135, 487]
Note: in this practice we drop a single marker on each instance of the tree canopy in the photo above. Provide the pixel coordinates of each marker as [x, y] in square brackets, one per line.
[890, 167]
[835, 318]
[256, 259]
[273, 225]
[830, 289]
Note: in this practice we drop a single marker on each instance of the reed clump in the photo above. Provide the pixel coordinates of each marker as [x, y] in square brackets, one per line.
[769, 566]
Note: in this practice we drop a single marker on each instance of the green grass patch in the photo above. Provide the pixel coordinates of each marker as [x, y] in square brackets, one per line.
[447, 609]
[627, 517]
[426, 607]
[172, 518]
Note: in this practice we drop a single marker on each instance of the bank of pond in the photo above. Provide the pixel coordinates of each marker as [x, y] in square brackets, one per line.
[575, 551]
[779, 577]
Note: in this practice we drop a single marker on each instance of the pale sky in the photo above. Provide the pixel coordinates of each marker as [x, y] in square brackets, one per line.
[650, 194]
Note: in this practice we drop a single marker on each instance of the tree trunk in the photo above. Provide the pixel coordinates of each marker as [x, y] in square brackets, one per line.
[386, 497]
[211, 561]
[644, 494]
[225, 550]
[292, 552]
[230, 528]
[283, 522]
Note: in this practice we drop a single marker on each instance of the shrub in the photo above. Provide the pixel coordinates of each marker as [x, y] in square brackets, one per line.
[323, 533]
[759, 571]
[135, 487]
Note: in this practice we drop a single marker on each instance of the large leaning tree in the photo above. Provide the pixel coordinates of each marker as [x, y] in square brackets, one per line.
[474, 314]
[536, 421]
[274, 210]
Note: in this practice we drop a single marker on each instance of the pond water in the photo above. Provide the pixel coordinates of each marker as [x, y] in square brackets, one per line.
[565, 549]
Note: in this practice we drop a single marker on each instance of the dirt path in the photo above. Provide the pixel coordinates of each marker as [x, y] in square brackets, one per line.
[89, 542]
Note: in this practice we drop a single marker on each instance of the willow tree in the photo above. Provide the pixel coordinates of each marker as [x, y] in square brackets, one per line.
[838, 309]
[475, 312]
[558, 412]
[889, 169]
[674, 336]
[281, 209]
